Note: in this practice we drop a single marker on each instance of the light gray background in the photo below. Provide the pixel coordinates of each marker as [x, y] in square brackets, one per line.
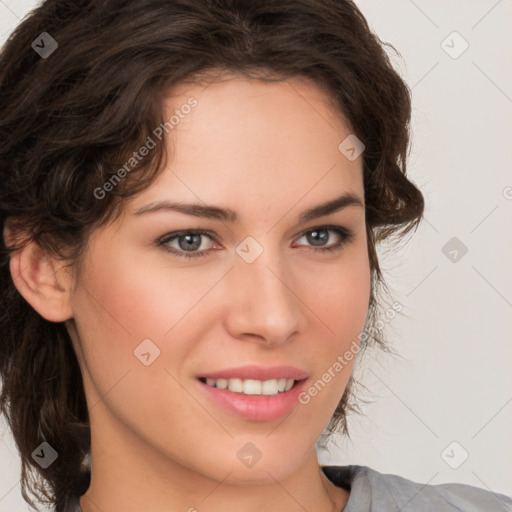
[454, 382]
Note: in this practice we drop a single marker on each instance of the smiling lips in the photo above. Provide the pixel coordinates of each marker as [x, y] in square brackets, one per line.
[255, 392]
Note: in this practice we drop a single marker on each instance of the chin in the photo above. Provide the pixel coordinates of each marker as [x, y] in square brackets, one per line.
[261, 473]
[266, 464]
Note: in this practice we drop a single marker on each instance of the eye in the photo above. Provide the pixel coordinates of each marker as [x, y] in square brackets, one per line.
[188, 242]
[318, 236]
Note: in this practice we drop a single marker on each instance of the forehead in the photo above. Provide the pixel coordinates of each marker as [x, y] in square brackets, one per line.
[248, 142]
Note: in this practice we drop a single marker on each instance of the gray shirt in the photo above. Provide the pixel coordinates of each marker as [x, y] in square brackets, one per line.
[371, 491]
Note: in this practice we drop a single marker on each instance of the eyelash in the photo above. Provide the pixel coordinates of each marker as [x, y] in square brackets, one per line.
[345, 234]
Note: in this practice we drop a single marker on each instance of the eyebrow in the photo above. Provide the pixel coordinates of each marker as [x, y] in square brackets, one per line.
[228, 215]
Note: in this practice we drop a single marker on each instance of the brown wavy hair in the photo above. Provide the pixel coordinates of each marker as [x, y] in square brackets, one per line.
[70, 120]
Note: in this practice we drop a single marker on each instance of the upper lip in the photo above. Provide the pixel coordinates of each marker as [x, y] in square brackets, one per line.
[256, 372]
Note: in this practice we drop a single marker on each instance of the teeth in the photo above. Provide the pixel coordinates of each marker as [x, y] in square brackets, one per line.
[221, 383]
[289, 384]
[253, 387]
[236, 385]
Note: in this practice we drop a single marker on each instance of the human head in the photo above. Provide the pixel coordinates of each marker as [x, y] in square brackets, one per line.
[71, 121]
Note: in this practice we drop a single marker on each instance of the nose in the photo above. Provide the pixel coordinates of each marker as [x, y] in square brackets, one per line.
[263, 303]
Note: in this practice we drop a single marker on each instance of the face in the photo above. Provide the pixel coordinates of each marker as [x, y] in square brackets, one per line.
[272, 298]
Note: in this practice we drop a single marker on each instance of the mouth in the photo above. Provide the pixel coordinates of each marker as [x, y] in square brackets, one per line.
[253, 392]
[251, 386]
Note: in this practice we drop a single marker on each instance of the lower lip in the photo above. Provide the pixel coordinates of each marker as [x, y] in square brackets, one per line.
[256, 407]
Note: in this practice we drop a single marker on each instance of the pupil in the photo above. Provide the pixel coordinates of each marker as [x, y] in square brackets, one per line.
[316, 238]
[190, 242]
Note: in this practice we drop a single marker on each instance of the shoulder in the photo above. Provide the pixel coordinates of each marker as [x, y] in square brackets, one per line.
[372, 491]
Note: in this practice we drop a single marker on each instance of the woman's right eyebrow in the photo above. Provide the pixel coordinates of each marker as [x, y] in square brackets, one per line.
[229, 215]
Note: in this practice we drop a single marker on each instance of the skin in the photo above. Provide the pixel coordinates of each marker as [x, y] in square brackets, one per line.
[269, 151]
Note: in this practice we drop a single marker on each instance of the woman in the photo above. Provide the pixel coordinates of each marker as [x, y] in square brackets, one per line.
[192, 196]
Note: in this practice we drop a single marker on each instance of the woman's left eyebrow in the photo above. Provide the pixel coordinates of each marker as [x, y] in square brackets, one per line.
[228, 215]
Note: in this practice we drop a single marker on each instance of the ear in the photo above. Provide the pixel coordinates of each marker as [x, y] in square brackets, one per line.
[43, 281]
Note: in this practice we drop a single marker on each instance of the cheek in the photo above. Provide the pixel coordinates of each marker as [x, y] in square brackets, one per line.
[339, 295]
[127, 298]
[119, 305]
[125, 301]
[113, 308]
[339, 303]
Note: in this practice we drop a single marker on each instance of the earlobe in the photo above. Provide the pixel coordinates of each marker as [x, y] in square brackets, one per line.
[42, 281]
